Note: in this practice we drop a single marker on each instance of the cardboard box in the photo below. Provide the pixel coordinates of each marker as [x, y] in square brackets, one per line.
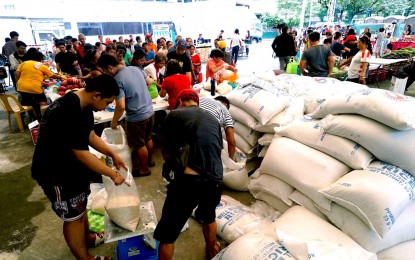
[34, 128]
[135, 248]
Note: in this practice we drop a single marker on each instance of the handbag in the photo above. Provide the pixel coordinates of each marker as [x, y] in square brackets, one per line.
[176, 163]
[292, 67]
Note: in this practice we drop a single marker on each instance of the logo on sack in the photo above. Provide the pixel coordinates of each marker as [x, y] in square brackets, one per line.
[396, 96]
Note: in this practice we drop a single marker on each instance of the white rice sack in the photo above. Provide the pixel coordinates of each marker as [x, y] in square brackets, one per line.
[266, 139]
[248, 134]
[302, 167]
[233, 219]
[271, 200]
[235, 173]
[123, 202]
[223, 88]
[257, 102]
[307, 203]
[263, 152]
[265, 210]
[309, 132]
[390, 108]
[116, 139]
[98, 202]
[273, 186]
[277, 120]
[404, 251]
[243, 145]
[378, 195]
[254, 247]
[385, 143]
[403, 229]
[307, 236]
[242, 116]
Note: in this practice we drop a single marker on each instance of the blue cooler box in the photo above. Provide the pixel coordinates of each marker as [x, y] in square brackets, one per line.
[135, 248]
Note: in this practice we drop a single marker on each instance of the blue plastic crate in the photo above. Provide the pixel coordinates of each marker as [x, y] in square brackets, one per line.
[135, 248]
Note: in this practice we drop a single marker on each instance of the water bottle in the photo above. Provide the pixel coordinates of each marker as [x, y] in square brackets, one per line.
[212, 87]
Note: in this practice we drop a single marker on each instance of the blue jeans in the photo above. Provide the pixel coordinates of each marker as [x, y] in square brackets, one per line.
[235, 52]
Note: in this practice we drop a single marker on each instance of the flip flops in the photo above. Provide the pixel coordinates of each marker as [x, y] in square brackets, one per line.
[101, 257]
[99, 239]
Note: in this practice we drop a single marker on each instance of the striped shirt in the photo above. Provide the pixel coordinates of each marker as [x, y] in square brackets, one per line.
[218, 110]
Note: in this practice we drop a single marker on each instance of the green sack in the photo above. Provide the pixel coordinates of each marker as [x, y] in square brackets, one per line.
[153, 90]
[292, 67]
[96, 222]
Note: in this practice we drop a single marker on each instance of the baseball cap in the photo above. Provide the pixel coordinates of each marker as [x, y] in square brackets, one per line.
[148, 35]
[182, 44]
[222, 44]
[188, 94]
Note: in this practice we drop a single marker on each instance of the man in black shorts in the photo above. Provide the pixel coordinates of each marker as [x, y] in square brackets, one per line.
[201, 182]
[62, 162]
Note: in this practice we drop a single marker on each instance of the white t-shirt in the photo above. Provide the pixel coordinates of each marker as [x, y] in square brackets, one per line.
[379, 39]
[356, 65]
[235, 41]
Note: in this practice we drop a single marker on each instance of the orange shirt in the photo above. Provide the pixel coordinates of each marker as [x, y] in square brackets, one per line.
[212, 64]
[152, 46]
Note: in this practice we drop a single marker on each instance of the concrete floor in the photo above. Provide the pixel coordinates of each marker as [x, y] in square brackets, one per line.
[31, 230]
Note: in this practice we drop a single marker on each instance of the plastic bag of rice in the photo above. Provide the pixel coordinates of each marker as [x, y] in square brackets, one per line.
[123, 202]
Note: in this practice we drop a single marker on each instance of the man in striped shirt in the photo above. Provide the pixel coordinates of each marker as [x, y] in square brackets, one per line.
[219, 108]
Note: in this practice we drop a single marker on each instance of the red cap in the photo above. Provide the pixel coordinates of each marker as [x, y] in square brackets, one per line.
[188, 94]
[148, 35]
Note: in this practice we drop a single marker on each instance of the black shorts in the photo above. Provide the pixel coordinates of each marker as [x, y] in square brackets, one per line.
[69, 204]
[138, 133]
[183, 195]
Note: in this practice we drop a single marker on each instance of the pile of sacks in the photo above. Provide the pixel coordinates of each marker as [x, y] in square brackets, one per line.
[350, 163]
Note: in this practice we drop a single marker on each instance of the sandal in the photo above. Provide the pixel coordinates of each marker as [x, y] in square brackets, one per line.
[99, 239]
[102, 257]
[152, 164]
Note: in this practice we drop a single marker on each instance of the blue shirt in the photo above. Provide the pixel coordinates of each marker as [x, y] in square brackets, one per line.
[133, 88]
[150, 55]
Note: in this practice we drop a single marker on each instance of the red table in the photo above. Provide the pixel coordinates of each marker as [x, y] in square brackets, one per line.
[400, 45]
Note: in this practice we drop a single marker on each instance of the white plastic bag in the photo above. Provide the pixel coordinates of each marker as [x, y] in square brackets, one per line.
[123, 202]
[98, 202]
[117, 141]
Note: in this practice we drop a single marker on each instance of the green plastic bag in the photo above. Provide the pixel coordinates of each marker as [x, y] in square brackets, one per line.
[292, 67]
[153, 90]
[96, 222]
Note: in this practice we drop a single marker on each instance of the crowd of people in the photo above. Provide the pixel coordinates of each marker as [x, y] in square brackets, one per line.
[321, 47]
[122, 72]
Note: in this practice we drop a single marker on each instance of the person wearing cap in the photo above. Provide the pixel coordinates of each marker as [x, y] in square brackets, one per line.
[151, 45]
[10, 46]
[183, 57]
[135, 100]
[200, 184]
[174, 82]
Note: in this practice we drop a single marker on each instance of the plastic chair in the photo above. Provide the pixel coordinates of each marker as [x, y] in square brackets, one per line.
[15, 108]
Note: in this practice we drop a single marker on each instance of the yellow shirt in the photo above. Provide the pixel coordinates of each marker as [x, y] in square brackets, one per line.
[32, 74]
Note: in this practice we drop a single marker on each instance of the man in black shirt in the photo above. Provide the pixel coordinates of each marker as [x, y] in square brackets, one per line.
[284, 48]
[337, 47]
[62, 162]
[180, 54]
[200, 184]
[65, 60]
